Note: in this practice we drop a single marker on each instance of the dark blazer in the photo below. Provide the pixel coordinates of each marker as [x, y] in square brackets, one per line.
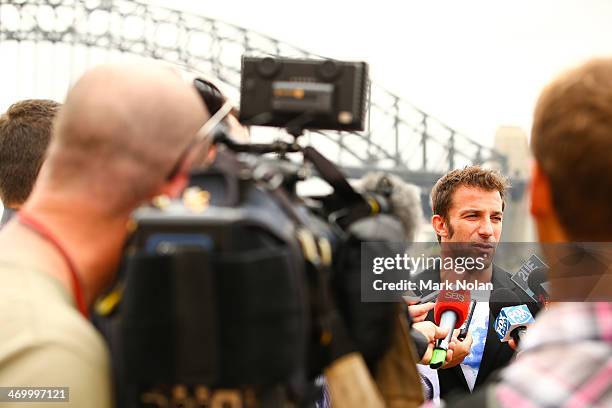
[496, 354]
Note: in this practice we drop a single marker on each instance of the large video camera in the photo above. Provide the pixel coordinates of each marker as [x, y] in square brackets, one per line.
[242, 293]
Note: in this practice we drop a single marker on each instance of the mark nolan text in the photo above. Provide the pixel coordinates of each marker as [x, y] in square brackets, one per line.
[404, 285]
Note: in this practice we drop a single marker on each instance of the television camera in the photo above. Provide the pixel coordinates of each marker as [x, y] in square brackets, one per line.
[241, 293]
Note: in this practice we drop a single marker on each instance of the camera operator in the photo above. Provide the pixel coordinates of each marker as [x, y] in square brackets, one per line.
[25, 131]
[116, 140]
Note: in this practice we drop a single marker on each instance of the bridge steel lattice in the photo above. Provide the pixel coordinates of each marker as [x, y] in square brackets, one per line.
[54, 41]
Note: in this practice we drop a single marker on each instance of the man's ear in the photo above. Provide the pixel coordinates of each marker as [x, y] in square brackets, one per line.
[175, 186]
[210, 155]
[540, 194]
[439, 225]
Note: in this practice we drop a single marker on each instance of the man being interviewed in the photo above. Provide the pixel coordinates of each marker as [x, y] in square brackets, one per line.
[117, 138]
[468, 206]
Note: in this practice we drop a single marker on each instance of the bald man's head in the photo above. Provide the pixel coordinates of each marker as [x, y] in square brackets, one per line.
[120, 132]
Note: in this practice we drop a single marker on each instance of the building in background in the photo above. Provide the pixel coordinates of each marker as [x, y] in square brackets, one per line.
[511, 141]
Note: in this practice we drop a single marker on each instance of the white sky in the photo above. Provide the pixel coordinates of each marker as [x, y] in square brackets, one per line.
[475, 65]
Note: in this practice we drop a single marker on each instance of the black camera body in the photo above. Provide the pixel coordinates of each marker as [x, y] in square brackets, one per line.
[215, 295]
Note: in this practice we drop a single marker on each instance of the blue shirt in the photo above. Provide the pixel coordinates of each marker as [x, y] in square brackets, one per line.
[478, 329]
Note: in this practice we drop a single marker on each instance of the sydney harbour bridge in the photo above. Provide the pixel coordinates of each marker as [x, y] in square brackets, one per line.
[46, 45]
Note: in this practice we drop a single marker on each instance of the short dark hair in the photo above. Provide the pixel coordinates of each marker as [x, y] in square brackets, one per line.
[25, 131]
[571, 140]
[471, 176]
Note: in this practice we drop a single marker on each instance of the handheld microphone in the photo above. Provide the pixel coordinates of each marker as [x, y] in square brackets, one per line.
[521, 276]
[538, 282]
[450, 312]
[512, 316]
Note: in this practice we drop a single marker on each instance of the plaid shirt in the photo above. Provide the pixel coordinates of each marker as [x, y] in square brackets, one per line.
[565, 360]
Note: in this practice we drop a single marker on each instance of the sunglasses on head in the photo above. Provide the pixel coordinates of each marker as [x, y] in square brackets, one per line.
[218, 107]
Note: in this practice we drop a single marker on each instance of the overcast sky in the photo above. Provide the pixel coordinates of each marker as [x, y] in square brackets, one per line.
[475, 65]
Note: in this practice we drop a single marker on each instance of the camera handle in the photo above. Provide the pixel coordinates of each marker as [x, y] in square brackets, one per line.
[295, 127]
[357, 206]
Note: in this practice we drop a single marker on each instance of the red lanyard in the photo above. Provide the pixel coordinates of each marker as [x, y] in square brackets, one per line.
[45, 233]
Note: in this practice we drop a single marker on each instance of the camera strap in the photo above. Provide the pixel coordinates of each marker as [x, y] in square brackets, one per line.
[355, 205]
[331, 174]
[330, 331]
[45, 233]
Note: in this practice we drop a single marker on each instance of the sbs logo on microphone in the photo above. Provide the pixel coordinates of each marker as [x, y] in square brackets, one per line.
[454, 296]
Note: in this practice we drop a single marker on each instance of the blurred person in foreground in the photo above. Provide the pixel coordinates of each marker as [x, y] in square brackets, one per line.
[565, 358]
[25, 131]
[121, 138]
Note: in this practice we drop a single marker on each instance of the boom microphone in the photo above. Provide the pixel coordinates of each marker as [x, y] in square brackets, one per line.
[403, 199]
[450, 312]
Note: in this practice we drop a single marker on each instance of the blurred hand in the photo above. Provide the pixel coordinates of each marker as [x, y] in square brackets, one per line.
[432, 333]
[418, 313]
[512, 344]
[458, 349]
